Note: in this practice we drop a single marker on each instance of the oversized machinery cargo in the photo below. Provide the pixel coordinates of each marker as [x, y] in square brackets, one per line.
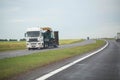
[43, 37]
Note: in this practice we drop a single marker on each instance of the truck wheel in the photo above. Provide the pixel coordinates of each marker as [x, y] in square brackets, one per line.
[29, 49]
[55, 46]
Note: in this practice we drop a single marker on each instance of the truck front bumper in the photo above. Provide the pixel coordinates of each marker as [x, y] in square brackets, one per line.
[34, 45]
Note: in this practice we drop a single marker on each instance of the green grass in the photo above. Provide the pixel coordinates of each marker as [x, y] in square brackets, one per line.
[14, 66]
[70, 41]
[12, 45]
[18, 45]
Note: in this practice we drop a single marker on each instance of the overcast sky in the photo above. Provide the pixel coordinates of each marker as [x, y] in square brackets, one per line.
[72, 18]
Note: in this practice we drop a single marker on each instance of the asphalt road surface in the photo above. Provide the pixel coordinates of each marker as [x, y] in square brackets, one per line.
[104, 65]
[15, 53]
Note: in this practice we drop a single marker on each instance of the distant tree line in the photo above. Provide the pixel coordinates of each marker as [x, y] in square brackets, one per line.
[23, 39]
[3, 39]
[12, 39]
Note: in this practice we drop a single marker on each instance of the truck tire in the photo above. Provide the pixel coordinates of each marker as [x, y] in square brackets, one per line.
[29, 48]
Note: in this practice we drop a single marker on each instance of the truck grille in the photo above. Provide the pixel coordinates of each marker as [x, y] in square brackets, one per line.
[33, 44]
[33, 40]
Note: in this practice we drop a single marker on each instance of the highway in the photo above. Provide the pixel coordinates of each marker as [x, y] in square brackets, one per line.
[15, 53]
[104, 65]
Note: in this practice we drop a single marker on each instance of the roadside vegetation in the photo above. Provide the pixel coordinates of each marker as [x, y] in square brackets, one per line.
[19, 45]
[70, 41]
[10, 67]
[12, 45]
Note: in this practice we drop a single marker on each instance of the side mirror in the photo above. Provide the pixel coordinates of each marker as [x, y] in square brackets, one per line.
[25, 34]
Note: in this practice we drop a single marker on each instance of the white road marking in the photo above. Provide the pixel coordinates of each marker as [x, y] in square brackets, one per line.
[70, 64]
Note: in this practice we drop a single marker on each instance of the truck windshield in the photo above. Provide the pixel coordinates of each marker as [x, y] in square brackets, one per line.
[33, 33]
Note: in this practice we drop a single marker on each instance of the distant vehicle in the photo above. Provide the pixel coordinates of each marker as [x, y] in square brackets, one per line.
[45, 37]
[118, 37]
[88, 38]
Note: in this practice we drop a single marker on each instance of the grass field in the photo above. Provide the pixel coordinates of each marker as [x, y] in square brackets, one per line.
[12, 45]
[14, 66]
[18, 45]
[70, 41]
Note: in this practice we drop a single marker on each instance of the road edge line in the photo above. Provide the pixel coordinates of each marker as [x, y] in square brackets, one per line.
[70, 64]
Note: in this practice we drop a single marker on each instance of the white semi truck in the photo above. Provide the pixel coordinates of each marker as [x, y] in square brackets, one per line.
[118, 37]
[44, 37]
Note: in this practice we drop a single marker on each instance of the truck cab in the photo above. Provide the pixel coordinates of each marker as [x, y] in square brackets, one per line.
[118, 37]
